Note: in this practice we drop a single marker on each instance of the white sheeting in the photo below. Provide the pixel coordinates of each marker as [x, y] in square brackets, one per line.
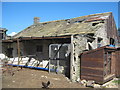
[2, 56]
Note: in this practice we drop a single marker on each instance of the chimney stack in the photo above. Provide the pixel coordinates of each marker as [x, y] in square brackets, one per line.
[36, 20]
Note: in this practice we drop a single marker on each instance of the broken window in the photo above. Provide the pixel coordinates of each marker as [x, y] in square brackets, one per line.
[90, 40]
[79, 21]
[90, 34]
[39, 48]
[68, 23]
[99, 42]
[94, 24]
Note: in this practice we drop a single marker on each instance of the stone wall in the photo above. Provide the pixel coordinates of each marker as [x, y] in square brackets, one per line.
[102, 33]
[30, 48]
[78, 44]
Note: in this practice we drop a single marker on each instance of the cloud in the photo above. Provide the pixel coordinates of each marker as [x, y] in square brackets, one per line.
[12, 34]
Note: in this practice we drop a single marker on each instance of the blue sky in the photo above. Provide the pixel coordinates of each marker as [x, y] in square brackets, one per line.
[17, 16]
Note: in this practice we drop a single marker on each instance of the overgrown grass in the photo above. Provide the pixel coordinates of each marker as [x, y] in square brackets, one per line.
[116, 81]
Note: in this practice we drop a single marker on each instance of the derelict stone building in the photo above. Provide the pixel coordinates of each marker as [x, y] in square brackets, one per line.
[61, 42]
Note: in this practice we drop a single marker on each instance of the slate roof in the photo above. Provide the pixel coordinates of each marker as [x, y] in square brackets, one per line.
[78, 25]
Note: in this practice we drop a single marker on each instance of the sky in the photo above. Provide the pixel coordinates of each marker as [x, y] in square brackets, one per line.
[17, 16]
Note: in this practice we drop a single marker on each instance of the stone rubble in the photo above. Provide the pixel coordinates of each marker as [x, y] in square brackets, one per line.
[110, 84]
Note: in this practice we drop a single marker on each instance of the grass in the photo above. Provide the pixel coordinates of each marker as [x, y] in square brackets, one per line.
[116, 81]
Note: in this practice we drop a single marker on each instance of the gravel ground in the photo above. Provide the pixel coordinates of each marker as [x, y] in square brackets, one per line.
[30, 78]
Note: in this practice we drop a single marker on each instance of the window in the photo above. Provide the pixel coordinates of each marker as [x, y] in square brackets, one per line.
[9, 52]
[99, 42]
[39, 48]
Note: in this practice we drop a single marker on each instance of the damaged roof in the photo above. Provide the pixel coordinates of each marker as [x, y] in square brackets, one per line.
[78, 25]
[3, 29]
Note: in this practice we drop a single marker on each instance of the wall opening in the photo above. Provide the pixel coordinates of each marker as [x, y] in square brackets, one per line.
[89, 47]
[112, 41]
[94, 24]
[99, 42]
[59, 55]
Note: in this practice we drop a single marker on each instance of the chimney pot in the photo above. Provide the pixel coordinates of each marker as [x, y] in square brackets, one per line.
[36, 20]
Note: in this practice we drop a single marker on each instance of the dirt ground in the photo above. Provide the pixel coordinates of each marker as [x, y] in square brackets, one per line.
[30, 78]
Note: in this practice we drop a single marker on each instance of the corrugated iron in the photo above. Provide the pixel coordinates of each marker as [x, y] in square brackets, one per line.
[94, 19]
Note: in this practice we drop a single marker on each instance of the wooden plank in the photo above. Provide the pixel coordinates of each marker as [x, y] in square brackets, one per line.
[91, 71]
[92, 65]
[72, 59]
[18, 47]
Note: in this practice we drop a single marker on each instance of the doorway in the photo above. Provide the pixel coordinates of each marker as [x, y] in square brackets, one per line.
[59, 55]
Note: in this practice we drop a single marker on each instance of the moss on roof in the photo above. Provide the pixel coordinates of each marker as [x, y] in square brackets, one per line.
[65, 27]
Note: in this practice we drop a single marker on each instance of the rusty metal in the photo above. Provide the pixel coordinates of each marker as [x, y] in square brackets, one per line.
[94, 65]
[94, 19]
